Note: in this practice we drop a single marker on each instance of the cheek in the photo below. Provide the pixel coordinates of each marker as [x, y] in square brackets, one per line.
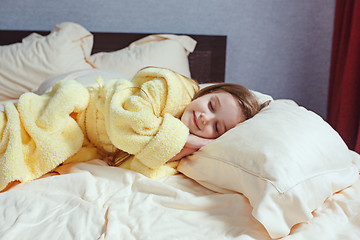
[185, 118]
[208, 132]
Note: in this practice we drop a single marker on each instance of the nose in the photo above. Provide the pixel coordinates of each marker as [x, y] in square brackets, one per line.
[206, 118]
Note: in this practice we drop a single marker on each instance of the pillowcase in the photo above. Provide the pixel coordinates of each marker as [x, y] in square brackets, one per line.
[25, 65]
[286, 160]
[87, 77]
[166, 50]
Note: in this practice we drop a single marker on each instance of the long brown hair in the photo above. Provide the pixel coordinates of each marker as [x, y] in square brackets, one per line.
[245, 97]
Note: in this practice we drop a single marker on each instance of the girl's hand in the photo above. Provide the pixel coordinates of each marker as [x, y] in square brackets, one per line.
[192, 144]
[197, 142]
[184, 152]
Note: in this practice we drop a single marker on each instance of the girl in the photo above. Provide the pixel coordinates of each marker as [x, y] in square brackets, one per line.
[133, 124]
[213, 111]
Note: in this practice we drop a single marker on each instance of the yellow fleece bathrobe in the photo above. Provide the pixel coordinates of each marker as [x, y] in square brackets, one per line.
[76, 123]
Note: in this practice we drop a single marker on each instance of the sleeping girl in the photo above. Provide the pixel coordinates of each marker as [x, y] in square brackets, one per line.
[146, 124]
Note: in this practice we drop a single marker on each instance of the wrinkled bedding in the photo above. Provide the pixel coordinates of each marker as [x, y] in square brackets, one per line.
[94, 201]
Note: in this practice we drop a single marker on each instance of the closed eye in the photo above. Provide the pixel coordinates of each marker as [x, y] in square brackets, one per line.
[216, 126]
[211, 107]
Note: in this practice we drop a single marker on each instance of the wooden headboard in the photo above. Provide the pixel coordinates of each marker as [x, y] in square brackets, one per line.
[207, 62]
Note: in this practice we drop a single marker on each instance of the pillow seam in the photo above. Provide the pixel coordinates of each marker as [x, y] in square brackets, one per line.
[270, 181]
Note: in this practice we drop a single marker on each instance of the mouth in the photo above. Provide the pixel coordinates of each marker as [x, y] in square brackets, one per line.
[195, 120]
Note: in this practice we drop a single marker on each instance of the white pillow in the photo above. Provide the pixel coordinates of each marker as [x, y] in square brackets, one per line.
[286, 160]
[25, 65]
[166, 50]
[87, 77]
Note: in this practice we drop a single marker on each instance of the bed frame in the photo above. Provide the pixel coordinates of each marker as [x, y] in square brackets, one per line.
[207, 62]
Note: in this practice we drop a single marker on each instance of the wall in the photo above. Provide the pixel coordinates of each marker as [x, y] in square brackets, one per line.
[278, 47]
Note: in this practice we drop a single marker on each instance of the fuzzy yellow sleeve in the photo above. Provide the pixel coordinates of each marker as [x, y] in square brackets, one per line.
[139, 126]
[168, 141]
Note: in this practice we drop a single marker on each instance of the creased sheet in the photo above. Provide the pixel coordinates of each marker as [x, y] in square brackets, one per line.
[94, 201]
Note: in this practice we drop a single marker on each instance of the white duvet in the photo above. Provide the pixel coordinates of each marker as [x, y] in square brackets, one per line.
[94, 201]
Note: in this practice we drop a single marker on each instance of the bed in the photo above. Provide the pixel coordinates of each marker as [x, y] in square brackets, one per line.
[284, 174]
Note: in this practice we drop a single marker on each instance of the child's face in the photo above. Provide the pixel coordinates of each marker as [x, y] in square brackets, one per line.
[211, 115]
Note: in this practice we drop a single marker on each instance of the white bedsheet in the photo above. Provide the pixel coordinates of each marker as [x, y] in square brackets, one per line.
[94, 201]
